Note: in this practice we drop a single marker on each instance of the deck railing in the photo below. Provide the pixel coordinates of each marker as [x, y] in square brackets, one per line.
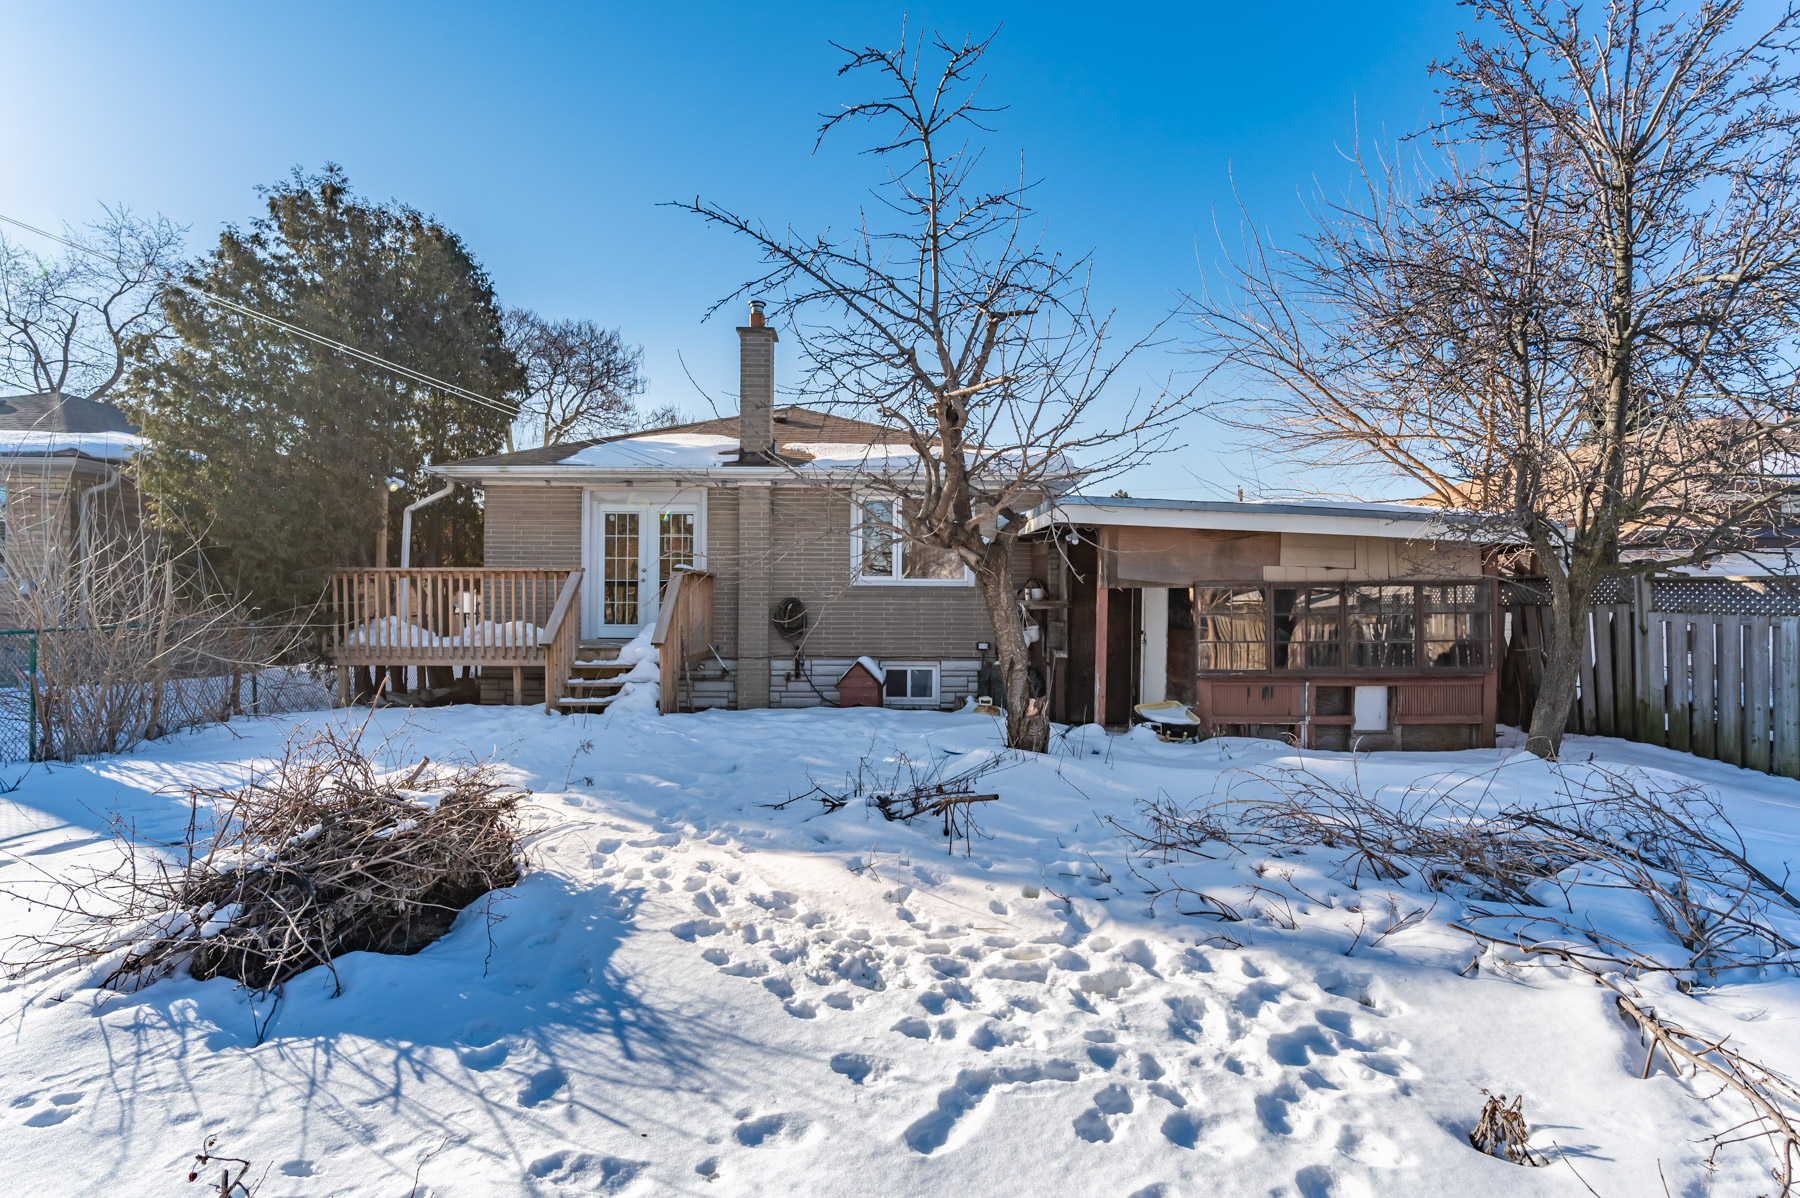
[684, 630]
[483, 617]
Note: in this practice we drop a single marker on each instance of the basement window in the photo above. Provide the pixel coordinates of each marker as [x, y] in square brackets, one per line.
[910, 684]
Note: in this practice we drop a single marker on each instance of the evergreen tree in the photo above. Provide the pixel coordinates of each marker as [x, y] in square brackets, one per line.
[274, 452]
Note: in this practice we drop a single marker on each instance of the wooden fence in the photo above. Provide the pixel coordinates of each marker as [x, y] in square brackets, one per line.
[1723, 686]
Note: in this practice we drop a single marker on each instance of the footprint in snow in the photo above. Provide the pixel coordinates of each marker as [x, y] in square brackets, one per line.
[764, 1129]
[950, 1125]
[857, 1067]
[1095, 1125]
[592, 1174]
[482, 1046]
[1182, 1129]
[1317, 1181]
[61, 1108]
[542, 1086]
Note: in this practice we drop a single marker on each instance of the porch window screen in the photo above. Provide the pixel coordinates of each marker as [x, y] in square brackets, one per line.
[619, 596]
[1458, 626]
[1382, 622]
[676, 546]
[1232, 627]
[1308, 627]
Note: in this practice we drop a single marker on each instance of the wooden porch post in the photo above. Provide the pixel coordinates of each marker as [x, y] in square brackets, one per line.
[1102, 601]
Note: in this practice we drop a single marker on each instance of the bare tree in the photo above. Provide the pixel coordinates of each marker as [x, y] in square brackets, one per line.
[580, 380]
[1576, 320]
[943, 315]
[67, 325]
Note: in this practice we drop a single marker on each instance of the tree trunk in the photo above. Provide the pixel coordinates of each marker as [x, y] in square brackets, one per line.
[1565, 641]
[1027, 716]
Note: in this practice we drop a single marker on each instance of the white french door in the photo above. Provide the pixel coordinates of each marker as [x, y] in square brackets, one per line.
[623, 572]
[632, 550]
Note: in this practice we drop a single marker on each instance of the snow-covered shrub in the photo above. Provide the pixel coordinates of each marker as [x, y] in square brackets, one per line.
[323, 853]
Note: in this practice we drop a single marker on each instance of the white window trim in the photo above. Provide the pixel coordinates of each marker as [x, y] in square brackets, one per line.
[860, 579]
[937, 684]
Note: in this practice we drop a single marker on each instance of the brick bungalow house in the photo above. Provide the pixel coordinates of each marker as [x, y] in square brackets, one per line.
[1319, 622]
[768, 501]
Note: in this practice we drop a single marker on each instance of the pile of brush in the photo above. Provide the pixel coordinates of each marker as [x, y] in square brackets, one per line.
[322, 854]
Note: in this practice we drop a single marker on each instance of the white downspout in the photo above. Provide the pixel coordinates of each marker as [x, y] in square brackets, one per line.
[406, 550]
[406, 521]
[86, 521]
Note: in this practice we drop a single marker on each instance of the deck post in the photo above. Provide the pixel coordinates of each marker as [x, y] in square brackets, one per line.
[343, 673]
[518, 686]
[1102, 601]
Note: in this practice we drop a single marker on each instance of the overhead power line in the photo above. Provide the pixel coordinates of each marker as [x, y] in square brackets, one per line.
[202, 294]
[511, 411]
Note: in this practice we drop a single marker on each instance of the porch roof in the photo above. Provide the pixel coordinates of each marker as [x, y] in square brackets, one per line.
[1347, 518]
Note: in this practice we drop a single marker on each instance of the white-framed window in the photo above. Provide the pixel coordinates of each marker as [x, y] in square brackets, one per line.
[881, 556]
[910, 683]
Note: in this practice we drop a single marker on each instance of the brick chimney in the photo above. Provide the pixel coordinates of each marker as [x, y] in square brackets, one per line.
[756, 390]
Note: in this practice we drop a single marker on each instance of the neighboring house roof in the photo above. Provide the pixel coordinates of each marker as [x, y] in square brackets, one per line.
[805, 438]
[50, 424]
[1336, 517]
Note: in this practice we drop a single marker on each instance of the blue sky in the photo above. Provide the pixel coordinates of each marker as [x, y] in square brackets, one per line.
[548, 135]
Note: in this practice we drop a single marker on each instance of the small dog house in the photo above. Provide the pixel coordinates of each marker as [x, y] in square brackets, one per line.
[861, 684]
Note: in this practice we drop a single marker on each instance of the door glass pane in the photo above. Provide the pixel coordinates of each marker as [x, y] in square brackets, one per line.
[1231, 624]
[619, 571]
[1381, 627]
[676, 546]
[1456, 625]
[1307, 628]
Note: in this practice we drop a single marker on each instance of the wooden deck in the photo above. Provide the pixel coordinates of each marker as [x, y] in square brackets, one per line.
[494, 619]
[483, 618]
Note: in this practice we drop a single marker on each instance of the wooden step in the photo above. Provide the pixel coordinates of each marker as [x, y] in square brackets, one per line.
[599, 669]
[595, 684]
[570, 703]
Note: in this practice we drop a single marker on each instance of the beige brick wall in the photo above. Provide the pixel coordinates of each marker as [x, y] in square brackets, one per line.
[721, 558]
[806, 554]
[536, 526]
[809, 558]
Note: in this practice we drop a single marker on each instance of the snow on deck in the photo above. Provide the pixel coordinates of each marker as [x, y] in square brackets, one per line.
[692, 993]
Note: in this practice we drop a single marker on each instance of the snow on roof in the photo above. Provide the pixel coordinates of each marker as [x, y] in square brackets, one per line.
[107, 446]
[670, 451]
[706, 451]
[1778, 563]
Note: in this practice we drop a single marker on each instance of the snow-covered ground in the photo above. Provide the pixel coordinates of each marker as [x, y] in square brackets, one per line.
[690, 992]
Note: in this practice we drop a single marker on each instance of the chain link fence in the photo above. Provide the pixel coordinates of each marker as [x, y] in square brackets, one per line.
[18, 698]
[68, 693]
